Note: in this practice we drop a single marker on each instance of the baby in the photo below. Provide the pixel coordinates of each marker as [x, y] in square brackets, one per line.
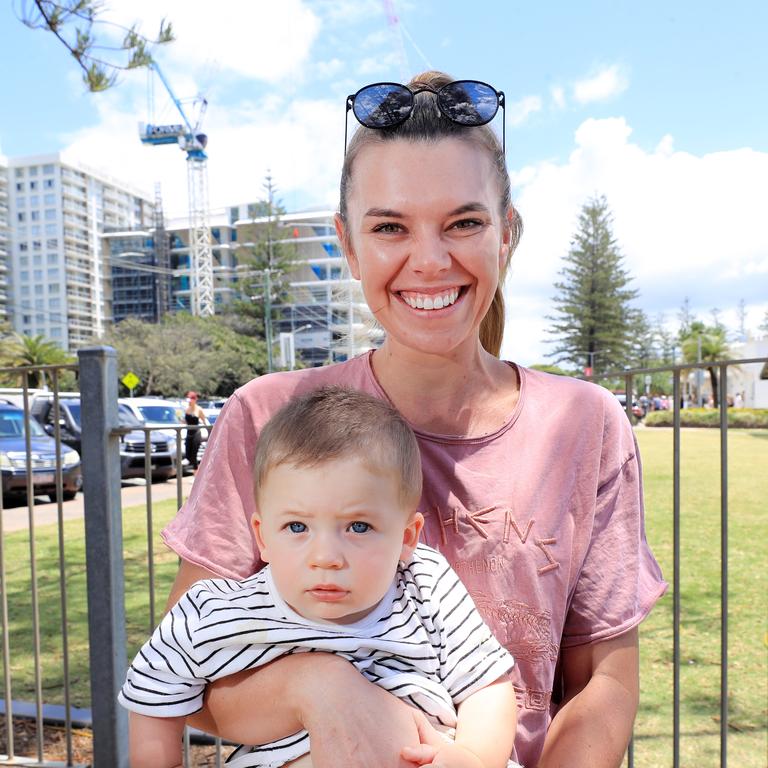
[337, 481]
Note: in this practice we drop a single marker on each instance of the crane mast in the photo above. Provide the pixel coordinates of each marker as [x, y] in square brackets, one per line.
[193, 142]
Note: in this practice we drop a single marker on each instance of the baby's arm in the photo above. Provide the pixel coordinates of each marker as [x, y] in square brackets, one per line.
[485, 732]
[155, 742]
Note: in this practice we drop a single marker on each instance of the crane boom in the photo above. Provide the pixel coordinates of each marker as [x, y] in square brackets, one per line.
[193, 142]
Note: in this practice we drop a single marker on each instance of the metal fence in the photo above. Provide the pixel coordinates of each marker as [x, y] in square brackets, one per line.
[104, 562]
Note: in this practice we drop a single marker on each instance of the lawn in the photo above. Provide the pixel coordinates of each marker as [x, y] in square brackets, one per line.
[700, 595]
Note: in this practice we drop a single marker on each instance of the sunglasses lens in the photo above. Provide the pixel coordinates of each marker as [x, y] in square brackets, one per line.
[382, 105]
[469, 102]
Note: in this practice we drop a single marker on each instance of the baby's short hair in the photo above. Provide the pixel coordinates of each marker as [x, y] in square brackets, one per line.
[335, 422]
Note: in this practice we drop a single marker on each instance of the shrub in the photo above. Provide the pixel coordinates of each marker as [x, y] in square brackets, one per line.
[743, 418]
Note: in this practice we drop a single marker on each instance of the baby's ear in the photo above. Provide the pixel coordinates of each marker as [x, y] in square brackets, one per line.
[411, 535]
[256, 523]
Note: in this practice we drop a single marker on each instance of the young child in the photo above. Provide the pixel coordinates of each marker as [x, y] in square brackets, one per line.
[337, 480]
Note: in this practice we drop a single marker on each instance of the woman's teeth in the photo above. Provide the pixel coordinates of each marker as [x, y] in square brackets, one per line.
[439, 301]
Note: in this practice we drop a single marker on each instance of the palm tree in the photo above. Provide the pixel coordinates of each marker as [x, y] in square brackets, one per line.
[705, 343]
[34, 351]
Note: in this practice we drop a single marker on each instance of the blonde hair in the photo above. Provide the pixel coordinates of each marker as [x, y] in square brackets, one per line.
[337, 422]
[427, 124]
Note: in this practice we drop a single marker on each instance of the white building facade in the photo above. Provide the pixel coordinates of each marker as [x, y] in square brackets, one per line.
[3, 240]
[59, 209]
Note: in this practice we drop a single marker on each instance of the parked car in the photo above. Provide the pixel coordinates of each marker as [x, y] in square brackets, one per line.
[637, 411]
[211, 409]
[132, 445]
[13, 458]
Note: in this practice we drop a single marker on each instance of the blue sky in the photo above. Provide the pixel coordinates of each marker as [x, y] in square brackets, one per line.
[660, 106]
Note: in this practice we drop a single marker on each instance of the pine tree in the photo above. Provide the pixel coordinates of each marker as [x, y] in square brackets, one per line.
[593, 320]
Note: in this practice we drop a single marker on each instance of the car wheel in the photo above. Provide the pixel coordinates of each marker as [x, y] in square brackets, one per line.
[66, 496]
[161, 477]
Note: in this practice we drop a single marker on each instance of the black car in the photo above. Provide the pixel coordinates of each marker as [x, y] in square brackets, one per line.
[13, 458]
[132, 445]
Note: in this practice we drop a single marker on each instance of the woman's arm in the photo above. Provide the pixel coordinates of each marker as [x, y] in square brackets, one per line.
[155, 742]
[351, 721]
[593, 726]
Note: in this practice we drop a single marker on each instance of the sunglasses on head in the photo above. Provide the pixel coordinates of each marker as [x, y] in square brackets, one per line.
[386, 105]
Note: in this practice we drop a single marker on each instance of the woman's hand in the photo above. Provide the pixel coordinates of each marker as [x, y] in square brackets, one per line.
[445, 756]
[355, 723]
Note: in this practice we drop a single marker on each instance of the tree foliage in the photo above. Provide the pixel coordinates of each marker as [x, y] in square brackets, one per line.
[19, 351]
[184, 352]
[593, 321]
[705, 343]
[74, 23]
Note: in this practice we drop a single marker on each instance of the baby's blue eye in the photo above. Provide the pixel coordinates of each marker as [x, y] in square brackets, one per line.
[358, 527]
[297, 527]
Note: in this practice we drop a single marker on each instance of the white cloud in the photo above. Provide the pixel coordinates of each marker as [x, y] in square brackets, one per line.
[688, 226]
[519, 111]
[260, 40]
[607, 83]
[558, 97]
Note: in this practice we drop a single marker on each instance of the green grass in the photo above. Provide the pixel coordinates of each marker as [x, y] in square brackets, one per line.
[700, 594]
[20, 610]
[700, 600]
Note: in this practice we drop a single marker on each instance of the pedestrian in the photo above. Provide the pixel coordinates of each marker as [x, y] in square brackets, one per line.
[531, 481]
[338, 479]
[194, 417]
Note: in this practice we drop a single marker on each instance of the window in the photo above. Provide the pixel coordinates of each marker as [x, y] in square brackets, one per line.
[23, 246]
[53, 273]
[49, 199]
[19, 173]
[38, 260]
[24, 261]
[53, 288]
[19, 186]
[52, 243]
[54, 303]
[34, 215]
[53, 258]
[50, 214]
[21, 216]
[49, 183]
[51, 229]
[34, 229]
[21, 202]
[32, 184]
[37, 275]
[48, 168]
[39, 291]
[34, 200]
[37, 245]
[55, 333]
[24, 275]
[25, 291]
[33, 170]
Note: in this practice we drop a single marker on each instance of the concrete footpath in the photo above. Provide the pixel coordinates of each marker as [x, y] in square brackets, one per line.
[134, 493]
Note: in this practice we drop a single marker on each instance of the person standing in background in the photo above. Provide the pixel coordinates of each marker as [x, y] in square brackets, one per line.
[194, 416]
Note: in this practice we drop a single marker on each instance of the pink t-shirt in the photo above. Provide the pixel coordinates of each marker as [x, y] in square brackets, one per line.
[542, 520]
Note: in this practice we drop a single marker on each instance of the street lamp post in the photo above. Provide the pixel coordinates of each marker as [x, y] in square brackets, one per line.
[288, 346]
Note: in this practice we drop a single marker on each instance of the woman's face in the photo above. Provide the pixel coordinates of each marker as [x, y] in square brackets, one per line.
[425, 236]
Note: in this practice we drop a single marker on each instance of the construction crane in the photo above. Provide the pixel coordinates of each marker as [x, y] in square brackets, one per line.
[190, 139]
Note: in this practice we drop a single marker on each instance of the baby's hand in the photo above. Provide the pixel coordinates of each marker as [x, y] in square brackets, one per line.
[444, 756]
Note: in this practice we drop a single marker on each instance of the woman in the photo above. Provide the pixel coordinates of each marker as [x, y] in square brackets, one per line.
[532, 482]
[194, 416]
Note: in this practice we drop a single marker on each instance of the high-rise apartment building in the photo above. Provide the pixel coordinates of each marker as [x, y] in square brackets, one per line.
[59, 210]
[3, 240]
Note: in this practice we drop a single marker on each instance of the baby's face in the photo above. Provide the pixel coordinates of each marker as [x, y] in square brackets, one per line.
[333, 535]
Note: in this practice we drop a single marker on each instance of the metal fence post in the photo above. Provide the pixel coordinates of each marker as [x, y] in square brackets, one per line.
[104, 558]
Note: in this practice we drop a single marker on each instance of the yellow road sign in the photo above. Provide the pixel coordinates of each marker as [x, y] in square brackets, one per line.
[131, 380]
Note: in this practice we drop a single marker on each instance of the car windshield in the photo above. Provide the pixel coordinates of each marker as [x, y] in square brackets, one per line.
[127, 419]
[12, 425]
[159, 414]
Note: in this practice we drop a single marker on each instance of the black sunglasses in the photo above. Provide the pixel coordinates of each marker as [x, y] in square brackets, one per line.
[385, 105]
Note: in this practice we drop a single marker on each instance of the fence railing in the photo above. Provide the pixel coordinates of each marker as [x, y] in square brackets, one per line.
[104, 560]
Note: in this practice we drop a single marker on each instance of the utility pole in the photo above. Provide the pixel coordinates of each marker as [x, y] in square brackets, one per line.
[268, 275]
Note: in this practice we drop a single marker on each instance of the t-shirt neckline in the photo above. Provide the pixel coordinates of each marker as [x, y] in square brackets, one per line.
[436, 437]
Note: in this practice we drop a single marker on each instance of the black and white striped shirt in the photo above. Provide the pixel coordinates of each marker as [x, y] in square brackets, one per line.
[425, 642]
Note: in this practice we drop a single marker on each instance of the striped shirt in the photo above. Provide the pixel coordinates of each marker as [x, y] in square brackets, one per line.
[424, 642]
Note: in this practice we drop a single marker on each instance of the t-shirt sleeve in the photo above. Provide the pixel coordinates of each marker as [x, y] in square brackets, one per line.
[620, 580]
[164, 680]
[470, 657]
[213, 528]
